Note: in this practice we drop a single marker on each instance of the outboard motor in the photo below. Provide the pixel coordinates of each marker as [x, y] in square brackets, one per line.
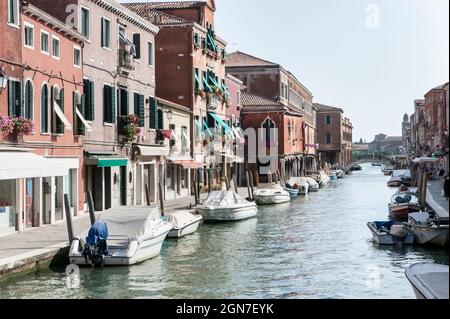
[96, 247]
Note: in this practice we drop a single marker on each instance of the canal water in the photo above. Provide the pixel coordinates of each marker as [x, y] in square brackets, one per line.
[316, 247]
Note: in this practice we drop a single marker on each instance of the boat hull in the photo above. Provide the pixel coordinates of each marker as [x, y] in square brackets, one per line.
[271, 199]
[429, 281]
[186, 230]
[229, 213]
[383, 238]
[293, 193]
[424, 234]
[402, 211]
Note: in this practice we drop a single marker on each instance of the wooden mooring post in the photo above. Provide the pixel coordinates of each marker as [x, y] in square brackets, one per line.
[69, 218]
[161, 199]
[91, 206]
[147, 195]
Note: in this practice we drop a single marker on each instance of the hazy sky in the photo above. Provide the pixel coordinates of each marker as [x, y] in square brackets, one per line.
[373, 66]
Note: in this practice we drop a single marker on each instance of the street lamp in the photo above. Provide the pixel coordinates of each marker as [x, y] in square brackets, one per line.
[169, 115]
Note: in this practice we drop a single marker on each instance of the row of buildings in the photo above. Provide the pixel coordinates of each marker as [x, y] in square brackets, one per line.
[426, 130]
[123, 100]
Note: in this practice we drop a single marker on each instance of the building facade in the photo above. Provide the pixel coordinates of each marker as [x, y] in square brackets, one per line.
[45, 97]
[330, 137]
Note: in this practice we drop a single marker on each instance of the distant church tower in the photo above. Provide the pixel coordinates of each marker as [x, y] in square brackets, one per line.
[406, 125]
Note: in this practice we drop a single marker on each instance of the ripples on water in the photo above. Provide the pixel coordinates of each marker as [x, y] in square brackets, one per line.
[316, 247]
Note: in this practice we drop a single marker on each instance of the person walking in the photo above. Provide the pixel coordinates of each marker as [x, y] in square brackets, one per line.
[446, 186]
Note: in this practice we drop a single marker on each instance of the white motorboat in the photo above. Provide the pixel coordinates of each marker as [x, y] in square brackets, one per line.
[340, 173]
[389, 233]
[272, 195]
[313, 185]
[293, 192]
[400, 177]
[427, 230]
[301, 184]
[429, 281]
[322, 179]
[226, 206]
[184, 223]
[121, 237]
[333, 175]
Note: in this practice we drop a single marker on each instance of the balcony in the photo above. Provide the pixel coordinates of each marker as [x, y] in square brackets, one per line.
[125, 60]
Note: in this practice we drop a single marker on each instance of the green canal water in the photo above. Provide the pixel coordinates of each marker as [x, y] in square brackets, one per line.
[316, 247]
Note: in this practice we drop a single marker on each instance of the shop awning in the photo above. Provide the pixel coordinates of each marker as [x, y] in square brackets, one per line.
[150, 151]
[23, 164]
[199, 126]
[187, 163]
[207, 128]
[107, 160]
[221, 123]
[61, 115]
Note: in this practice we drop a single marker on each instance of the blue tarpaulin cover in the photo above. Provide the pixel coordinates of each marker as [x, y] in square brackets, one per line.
[99, 231]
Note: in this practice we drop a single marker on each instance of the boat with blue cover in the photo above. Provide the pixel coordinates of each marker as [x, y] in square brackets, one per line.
[390, 233]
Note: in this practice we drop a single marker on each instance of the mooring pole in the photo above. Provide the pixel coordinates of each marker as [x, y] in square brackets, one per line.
[235, 184]
[68, 218]
[147, 195]
[251, 183]
[195, 191]
[161, 199]
[247, 177]
[91, 208]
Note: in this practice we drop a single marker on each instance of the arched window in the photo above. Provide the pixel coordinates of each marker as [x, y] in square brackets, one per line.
[328, 120]
[329, 140]
[29, 99]
[268, 125]
[44, 109]
[58, 98]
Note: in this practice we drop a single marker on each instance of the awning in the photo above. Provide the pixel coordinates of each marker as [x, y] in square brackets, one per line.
[151, 151]
[207, 128]
[239, 135]
[197, 80]
[23, 164]
[206, 85]
[83, 120]
[199, 126]
[213, 80]
[107, 160]
[187, 164]
[439, 154]
[123, 39]
[186, 137]
[221, 123]
[61, 115]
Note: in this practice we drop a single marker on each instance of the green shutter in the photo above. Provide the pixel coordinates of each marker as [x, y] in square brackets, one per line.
[160, 120]
[153, 113]
[106, 115]
[128, 103]
[19, 99]
[141, 111]
[11, 95]
[113, 104]
[76, 130]
[44, 109]
[119, 103]
[91, 101]
[136, 103]
[60, 128]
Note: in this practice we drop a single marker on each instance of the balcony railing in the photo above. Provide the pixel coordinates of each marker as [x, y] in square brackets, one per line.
[125, 59]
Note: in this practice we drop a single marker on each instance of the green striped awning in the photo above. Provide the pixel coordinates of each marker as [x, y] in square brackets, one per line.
[109, 161]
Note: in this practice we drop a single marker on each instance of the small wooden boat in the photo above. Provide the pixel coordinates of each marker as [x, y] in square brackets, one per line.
[402, 204]
[292, 191]
[389, 233]
[301, 184]
[400, 177]
[184, 223]
[121, 237]
[356, 168]
[427, 230]
[222, 206]
[333, 176]
[271, 196]
[429, 281]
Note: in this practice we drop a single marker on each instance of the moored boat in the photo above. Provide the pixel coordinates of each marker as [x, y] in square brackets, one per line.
[427, 230]
[271, 195]
[429, 280]
[292, 191]
[313, 185]
[184, 223]
[402, 204]
[400, 177]
[301, 184]
[356, 168]
[389, 233]
[222, 206]
[121, 237]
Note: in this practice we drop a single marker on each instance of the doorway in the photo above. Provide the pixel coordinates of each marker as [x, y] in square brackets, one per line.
[123, 186]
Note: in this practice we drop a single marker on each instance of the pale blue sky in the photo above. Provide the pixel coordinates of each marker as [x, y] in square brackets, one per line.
[373, 74]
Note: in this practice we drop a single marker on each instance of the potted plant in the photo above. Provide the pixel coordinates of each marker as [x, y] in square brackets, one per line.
[15, 128]
[6, 125]
[130, 127]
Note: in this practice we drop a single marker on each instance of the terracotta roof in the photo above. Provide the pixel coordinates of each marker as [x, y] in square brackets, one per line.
[250, 99]
[441, 87]
[239, 59]
[167, 5]
[156, 17]
[325, 108]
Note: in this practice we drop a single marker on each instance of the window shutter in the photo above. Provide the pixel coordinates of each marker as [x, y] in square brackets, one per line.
[103, 33]
[160, 120]
[76, 130]
[19, 98]
[137, 44]
[106, 117]
[136, 104]
[141, 111]
[128, 103]
[119, 103]
[60, 128]
[153, 113]
[44, 110]
[113, 104]
[91, 101]
[11, 97]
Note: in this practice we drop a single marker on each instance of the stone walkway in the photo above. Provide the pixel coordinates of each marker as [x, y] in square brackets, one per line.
[24, 251]
[435, 199]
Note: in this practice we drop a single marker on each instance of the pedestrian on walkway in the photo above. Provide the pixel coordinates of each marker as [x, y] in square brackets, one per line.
[446, 186]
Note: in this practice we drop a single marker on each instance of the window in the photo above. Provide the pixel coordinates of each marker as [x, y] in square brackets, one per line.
[139, 108]
[58, 98]
[150, 54]
[196, 40]
[79, 128]
[84, 16]
[123, 100]
[328, 120]
[87, 100]
[44, 42]
[197, 82]
[106, 33]
[14, 98]
[13, 12]
[29, 100]
[153, 113]
[328, 138]
[268, 126]
[29, 36]
[44, 109]
[137, 45]
[55, 47]
[109, 104]
[77, 56]
[238, 98]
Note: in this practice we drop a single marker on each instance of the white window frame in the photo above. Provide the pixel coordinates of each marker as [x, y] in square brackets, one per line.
[77, 48]
[326, 119]
[89, 21]
[238, 96]
[27, 25]
[151, 65]
[54, 37]
[32, 98]
[48, 42]
[106, 48]
[17, 17]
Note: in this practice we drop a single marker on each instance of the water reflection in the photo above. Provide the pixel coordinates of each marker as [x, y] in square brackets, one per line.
[315, 247]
